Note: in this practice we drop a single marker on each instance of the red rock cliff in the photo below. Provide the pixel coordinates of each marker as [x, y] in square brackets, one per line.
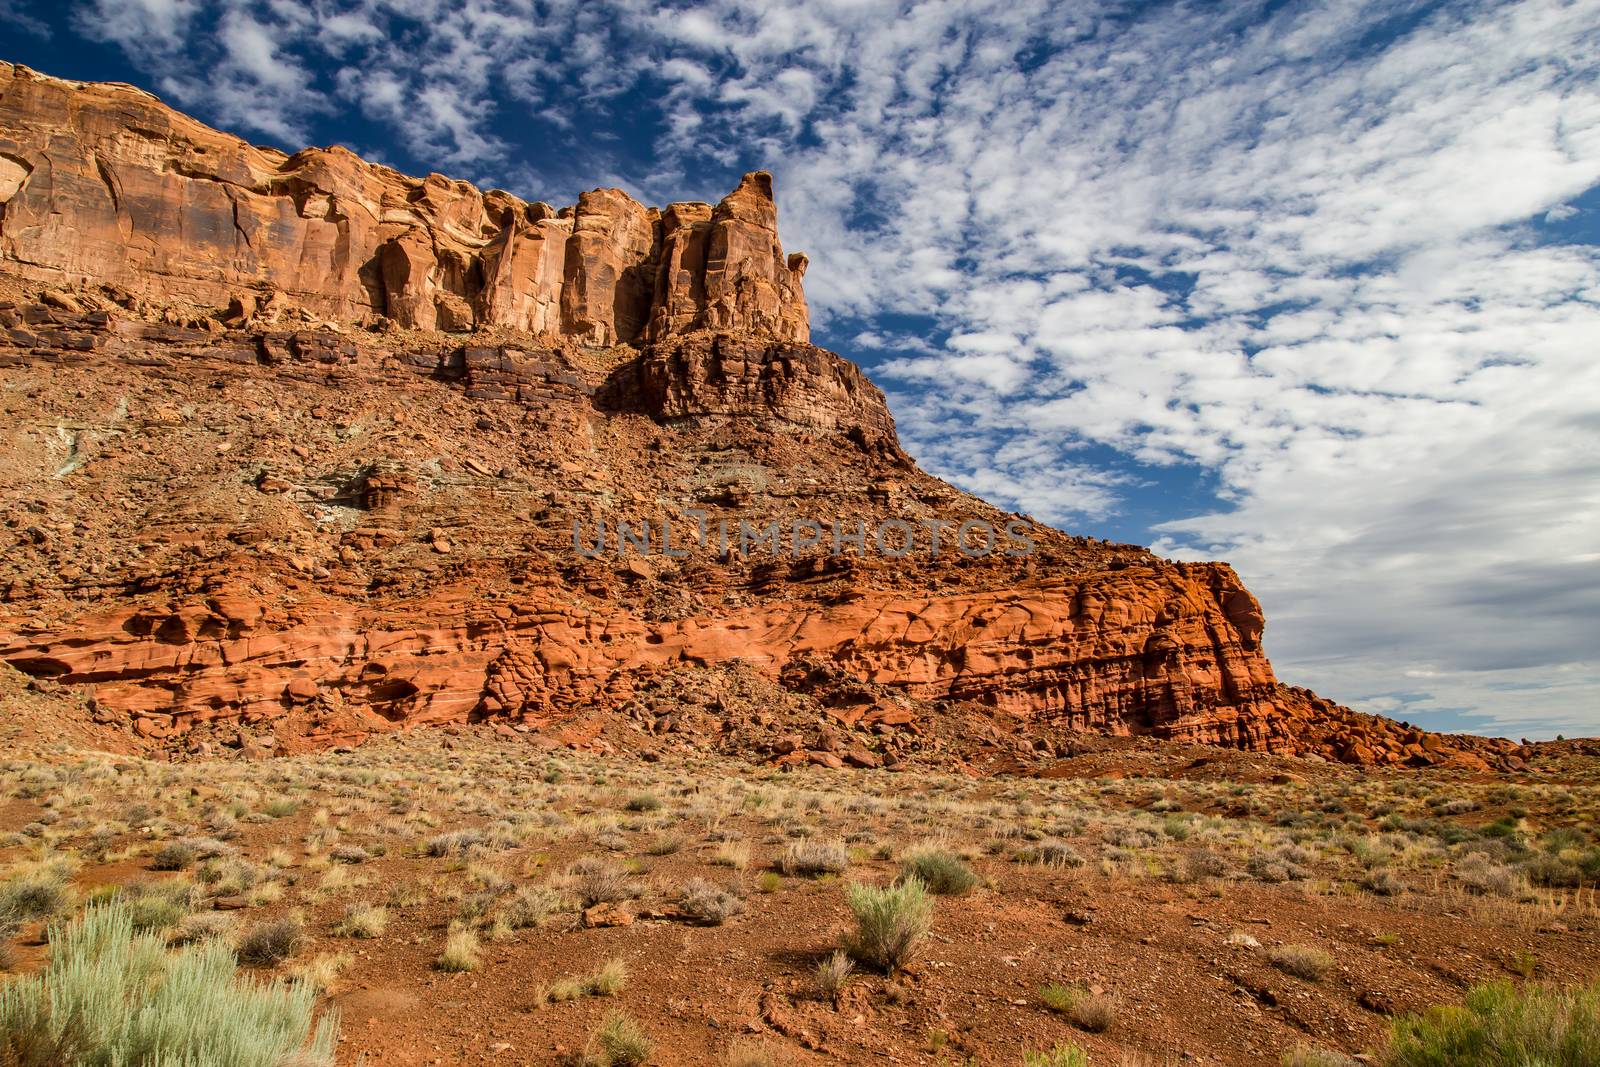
[276, 536]
[103, 183]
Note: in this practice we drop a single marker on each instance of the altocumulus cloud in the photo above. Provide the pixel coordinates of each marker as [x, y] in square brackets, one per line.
[1327, 260]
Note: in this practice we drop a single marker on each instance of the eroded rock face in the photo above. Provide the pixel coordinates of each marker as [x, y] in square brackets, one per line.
[721, 377]
[1073, 656]
[103, 183]
[725, 270]
[220, 520]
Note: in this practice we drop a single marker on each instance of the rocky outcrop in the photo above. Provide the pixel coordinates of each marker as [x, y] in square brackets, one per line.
[724, 270]
[1154, 653]
[103, 183]
[721, 377]
[222, 507]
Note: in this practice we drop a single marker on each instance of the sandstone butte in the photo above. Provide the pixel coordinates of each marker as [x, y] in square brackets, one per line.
[294, 445]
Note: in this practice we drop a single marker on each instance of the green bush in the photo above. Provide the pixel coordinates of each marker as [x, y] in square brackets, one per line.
[111, 995]
[942, 872]
[1498, 1025]
[890, 922]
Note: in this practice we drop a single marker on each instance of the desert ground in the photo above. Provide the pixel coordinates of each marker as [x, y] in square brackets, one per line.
[454, 897]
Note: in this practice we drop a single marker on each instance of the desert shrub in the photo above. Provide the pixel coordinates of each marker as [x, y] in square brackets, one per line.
[1059, 1056]
[833, 972]
[643, 802]
[110, 995]
[619, 1042]
[1094, 1012]
[890, 922]
[1133, 837]
[709, 904]
[203, 926]
[1498, 1025]
[172, 856]
[1480, 874]
[349, 854]
[454, 843]
[158, 905]
[460, 951]
[1383, 882]
[599, 880]
[530, 906]
[1302, 961]
[1555, 872]
[1052, 853]
[1307, 1056]
[814, 858]
[37, 893]
[942, 872]
[270, 942]
[362, 920]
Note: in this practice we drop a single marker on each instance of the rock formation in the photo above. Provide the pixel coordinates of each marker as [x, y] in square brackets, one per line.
[104, 184]
[254, 491]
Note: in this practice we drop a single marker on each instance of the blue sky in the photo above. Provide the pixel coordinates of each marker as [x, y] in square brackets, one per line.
[1313, 288]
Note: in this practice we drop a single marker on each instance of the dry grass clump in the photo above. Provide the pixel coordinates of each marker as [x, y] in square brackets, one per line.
[1083, 1008]
[619, 1042]
[530, 906]
[814, 858]
[1059, 1056]
[1309, 1056]
[832, 972]
[362, 920]
[608, 981]
[1302, 961]
[1052, 853]
[735, 854]
[461, 948]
